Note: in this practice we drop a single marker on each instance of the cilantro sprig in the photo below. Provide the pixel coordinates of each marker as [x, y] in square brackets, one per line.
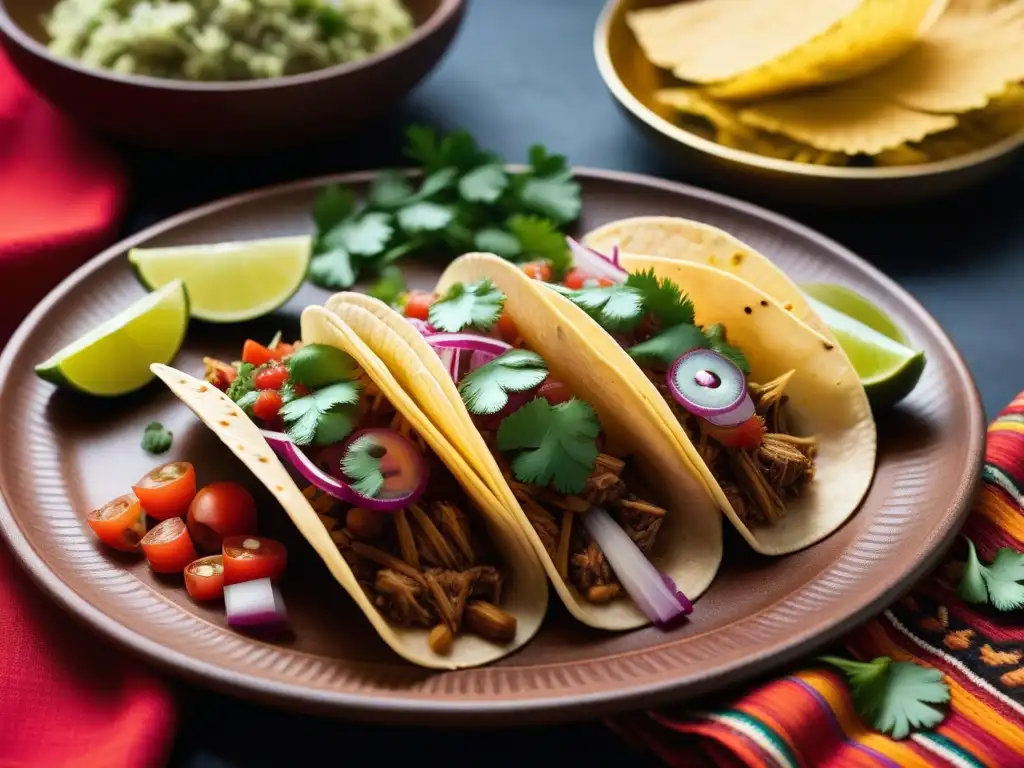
[156, 438]
[554, 445]
[465, 199]
[468, 305]
[486, 390]
[997, 583]
[324, 417]
[362, 464]
[894, 697]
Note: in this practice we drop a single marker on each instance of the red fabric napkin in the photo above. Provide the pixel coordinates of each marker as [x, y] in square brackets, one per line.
[66, 699]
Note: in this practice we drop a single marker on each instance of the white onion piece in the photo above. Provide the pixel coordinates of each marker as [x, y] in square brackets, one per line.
[595, 264]
[644, 583]
[254, 604]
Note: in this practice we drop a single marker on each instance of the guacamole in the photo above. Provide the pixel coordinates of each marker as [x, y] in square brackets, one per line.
[224, 39]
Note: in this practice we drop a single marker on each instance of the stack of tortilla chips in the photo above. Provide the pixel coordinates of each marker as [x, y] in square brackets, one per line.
[843, 82]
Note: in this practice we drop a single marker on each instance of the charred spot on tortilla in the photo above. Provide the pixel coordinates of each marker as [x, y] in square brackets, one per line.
[737, 259]
[263, 459]
[789, 307]
[201, 388]
[764, 303]
[828, 346]
[748, 310]
[224, 423]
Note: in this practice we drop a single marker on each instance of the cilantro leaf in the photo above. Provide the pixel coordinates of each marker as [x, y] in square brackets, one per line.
[557, 444]
[473, 305]
[616, 307]
[498, 242]
[670, 344]
[484, 184]
[389, 286]
[540, 239]
[390, 189]
[556, 198]
[662, 298]
[332, 270]
[998, 583]
[333, 205]
[425, 217]
[894, 697]
[457, 149]
[366, 235]
[156, 438]
[544, 164]
[716, 336]
[485, 390]
[324, 417]
[287, 392]
[438, 181]
[361, 464]
[317, 365]
[242, 383]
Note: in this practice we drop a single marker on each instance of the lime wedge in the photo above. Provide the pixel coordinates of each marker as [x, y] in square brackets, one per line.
[888, 369]
[229, 282]
[851, 303]
[114, 357]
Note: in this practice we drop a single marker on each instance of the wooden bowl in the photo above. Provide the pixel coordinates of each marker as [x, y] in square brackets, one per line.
[633, 81]
[228, 116]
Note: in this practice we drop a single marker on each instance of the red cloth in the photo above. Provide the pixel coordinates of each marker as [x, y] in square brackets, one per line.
[66, 699]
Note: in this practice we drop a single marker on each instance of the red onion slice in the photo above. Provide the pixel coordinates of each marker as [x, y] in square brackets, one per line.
[711, 387]
[255, 603]
[644, 583]
[425, 328]
[596, 264]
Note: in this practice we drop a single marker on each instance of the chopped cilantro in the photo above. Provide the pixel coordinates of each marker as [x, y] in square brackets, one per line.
[997, 583]
[556, 445]
[616, 307]
[390, 286]
[473, 305]
[486, 390]
[894, 697]
[716, 336]
[317, 365]
[466, 199]
[324, 417]
[361, 464]
[287, 392]
[156, 438]
[242, 383]
[662, 298]
[670, 344]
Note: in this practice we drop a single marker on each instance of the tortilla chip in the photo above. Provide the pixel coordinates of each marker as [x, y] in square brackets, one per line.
[961, 64]
[848, 118]
[876, 32]
[707, 41]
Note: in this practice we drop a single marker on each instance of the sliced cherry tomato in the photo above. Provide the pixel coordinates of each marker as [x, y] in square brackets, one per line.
[745, 435]
[270, 376]
[119, 523]
[574, 280]
[167, 490]
[268, 403]
[538, 270]
[253, 557]
[255, 353]
[507, 329]
[220, 510]
[554, 391]
[168, 547]
[204, 578]
[417, 304]
[218, 373]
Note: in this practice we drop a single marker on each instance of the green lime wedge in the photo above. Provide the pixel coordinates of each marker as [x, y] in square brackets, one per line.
[114, 357]
[888, 369]
[229, 282]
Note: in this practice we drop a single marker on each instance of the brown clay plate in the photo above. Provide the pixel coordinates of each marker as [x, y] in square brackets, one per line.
[66, 455]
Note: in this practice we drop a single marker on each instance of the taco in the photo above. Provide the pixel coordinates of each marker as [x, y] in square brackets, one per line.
[627, 533]
[397, 515]
[768, 412]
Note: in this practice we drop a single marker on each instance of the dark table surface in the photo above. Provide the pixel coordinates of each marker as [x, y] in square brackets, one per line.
[522, 71]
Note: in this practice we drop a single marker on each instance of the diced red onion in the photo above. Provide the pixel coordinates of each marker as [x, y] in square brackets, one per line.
[337, 487]
[255, 603]
[596, 264]
[472, 342]
[644, 583]
[711, 387]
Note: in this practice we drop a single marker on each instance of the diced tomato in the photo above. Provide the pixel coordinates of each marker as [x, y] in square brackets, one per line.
[746, 435]
[204, 578]
[417, 304]
[119, 523]
[554, 391]
[574, 280]
[255, 353]
[218, 373]
[604, 282]
[168, 547]
[268, 403]
[220, 510]
[507, 329]
[167, 490]
[253, 557]
[270, 377]
[538, 270]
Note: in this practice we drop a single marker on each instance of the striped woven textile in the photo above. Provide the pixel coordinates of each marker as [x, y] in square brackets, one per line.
[807, 718]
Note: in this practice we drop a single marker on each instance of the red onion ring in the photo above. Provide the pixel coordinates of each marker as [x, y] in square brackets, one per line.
[711, 387]
[596, 264]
